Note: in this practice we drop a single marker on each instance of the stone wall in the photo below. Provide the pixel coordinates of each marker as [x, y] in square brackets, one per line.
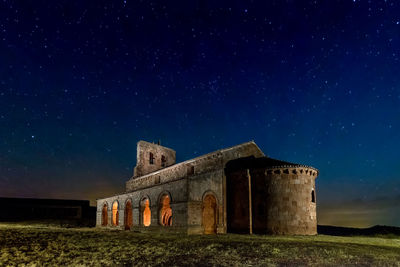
[281, 201]
[238, 213]
[203, 175]
[260, 193]
[199, 186]
[177, 190]
[160, 177]
[202, 164]
[288, 203]
[281, 198]
[158, 152]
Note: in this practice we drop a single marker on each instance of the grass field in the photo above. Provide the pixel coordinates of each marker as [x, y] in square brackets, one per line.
[55, 246]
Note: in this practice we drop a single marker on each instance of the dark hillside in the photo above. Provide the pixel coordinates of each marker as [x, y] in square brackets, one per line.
[348, 231]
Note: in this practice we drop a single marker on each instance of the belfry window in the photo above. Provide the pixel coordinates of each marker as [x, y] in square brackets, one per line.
[313, 196]
[151, 158]
[163, 161]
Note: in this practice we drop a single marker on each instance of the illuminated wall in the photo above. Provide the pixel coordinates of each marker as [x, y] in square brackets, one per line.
[115, 213]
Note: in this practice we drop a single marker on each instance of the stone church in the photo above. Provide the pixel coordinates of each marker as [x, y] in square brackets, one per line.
[232, 190]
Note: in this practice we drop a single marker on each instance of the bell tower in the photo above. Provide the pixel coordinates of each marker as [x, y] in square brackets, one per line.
[152, 157]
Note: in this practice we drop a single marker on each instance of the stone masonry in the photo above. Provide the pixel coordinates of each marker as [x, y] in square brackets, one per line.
[237, 189]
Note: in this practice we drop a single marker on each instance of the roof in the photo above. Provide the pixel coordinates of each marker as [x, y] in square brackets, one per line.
[262, 162]
[224, 150]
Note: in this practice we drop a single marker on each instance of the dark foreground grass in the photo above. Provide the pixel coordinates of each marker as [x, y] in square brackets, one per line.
[52, 246]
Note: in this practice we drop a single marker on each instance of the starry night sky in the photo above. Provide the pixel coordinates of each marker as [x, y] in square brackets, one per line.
[312, 82]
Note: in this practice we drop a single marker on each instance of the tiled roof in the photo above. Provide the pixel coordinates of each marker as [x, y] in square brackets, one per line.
[262, 162]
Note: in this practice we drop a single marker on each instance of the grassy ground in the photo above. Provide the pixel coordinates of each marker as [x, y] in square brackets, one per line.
[55, 246]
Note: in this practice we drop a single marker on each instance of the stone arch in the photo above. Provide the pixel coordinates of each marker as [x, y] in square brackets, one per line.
[128, 219]
[164, 209]
[209, 213]
[104, 214]
[115, 213]
[145, 212]
[210, 192]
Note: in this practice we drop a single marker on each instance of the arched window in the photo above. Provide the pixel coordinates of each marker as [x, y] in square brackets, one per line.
[165, 211]
[128, 215]
[115, 214]
[104, 215]
[151, 158]
[312, 196]
[145, 212]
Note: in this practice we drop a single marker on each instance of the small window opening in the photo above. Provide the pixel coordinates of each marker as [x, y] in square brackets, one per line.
[151, 158]
[163, 161]
[312, 196]
[190, 170]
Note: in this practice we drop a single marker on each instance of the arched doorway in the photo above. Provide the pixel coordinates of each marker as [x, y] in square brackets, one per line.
[209, 216]
[128, 215]
[115, 214]
[165, 211]
[104, 215]
[145, 212]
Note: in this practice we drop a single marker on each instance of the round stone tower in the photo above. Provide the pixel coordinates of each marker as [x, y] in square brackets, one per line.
[291, 200]
[270, 196]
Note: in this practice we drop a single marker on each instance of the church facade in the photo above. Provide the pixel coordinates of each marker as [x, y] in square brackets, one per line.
[237, 189]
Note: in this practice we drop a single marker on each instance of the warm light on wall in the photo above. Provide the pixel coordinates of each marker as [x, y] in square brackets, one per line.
[115, 213]
[165, 211]
[209, 219]
[146, 213]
